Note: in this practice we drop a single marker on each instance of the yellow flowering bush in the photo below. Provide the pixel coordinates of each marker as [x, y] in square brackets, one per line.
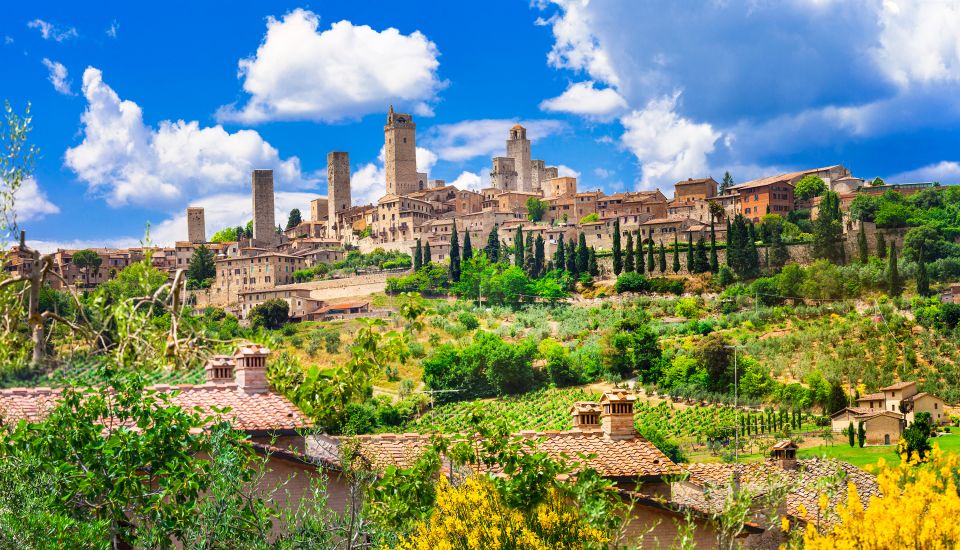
[474, 516]
[918, 508]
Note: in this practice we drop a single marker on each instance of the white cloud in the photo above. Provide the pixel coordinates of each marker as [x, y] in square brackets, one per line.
[668, 146]
[575, 45]
[945, 171]
[129, 162]
[58, 76]
[112, 29]
[368, 183]
[49, 31]
[346, 71]
[565, 171]
[919, 41]
[602, 172]
[8, 40]
[483, 138]
[49, 246]
[582, 98]
[468, 180]
[426, 160]
[31, 203]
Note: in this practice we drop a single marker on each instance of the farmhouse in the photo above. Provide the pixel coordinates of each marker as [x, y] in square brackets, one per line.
[887, 412]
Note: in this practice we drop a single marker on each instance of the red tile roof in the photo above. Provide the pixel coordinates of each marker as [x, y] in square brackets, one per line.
[898, 386]
[267, 411]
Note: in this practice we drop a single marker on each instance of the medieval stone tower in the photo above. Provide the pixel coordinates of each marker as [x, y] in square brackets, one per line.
[400, 146]
[264, 223]
[518, 148]
[196, 228]
[338, 188]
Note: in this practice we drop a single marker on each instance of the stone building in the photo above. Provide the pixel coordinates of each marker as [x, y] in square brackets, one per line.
[319, 210]
[887, 412]
[338, 188]
[518, 148]
[196, 228]
[400, 154]
[264, 222]
[258, 270]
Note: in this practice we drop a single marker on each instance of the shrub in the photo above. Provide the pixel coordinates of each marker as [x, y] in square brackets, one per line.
[271, 314]
[631, 282]
[468, 320]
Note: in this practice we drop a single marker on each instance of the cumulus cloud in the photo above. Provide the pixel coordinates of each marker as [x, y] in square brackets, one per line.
[468, 180]
[343, 72]
[113, 29]
[426, 159]
[576, 46]
[668, 146]
[945, 171]
[919, 41]
[50, 31]
[602, 172]
[583, 98]
[58, 76]
[483, 138]
[128, 162]
[565, 171]
[368, 183]
[31, 202]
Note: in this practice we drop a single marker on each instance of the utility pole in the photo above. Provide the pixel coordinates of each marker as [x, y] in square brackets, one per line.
[736, 407]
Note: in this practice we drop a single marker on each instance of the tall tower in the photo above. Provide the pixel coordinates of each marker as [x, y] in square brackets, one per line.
[196, 228]
[338, 188]
[264, 223]
[518, 147]
[400, 145]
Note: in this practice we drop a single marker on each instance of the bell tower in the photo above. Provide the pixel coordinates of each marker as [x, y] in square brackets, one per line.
[400, 152]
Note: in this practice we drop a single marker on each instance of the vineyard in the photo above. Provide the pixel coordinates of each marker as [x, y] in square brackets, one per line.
[84, 375]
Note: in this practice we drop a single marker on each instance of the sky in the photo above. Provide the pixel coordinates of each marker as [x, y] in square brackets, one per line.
[141, 109]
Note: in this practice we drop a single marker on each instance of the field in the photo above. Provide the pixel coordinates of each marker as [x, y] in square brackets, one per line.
[870, 455]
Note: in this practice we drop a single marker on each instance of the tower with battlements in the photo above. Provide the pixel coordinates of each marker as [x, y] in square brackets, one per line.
[400, 152]
[264, 222]
[518, 148]
[196, 228]
[338, 188]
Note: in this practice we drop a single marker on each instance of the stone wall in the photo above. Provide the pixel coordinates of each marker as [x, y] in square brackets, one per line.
[338, 186]
[264, 223]
[196, 227]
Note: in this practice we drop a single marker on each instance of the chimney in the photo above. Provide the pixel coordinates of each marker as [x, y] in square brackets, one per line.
[23, 239]
[219, 369]
[585, 416]
[784, 454]
[250, 371]
[616, 416]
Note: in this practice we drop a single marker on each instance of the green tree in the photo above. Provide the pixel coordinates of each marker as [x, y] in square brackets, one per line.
[752, 255]
[828, 229]
[225, 235]
[638, 252]
[632, 348]
[202, 267]
[418, 257]
[877, 182]
[663, 258]
[536, 208]
[87, 260]
[493, 245]
[518, 247]
[894, 283]
[851, 435]
[713, 352]
[690, 253]
[539, 256]
[923, 278]
[559, 255]
[427, 255]
[676, 254]
[583, 254]
[617, 252]
[808, 187]
[294, 219]
[592, 267]
[714, 262]
[862, 245]
[861, 434]
[628, 265]
[778, 254]
[467, 246]
[271, 314]
[726, 183]
[454, 254]
[572, 260]
[881, 246]
[530, 260]
[837, 399]
[700, 262]
[650, 261]
[916, 438]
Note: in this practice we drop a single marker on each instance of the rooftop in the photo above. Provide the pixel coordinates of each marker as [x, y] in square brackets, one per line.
[898, 386]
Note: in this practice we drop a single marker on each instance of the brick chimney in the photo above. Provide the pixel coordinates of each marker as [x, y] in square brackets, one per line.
[250, 371]
[784, 454]
[585, 416]
[219, 369]
[616, 416]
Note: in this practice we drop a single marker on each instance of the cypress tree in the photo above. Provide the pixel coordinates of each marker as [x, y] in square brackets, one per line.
[690, 253]
[714, 263]
[617, 253]
[676, 254]
[518, 247]
[650, 262]
[467, 247]
[894, 284]
[752, 254]
[778, 250]
[862, 245]
[592, 267]
[427, 257]
[572, 259]
[861, 434]
[418, 256]
[881, 246]
[828, 229]
[559, 256]
[663, 258]
[539, 256]
[628, 263]
[583, 255]
[851, 434]
[923, 278]
[638, 253]
[454, 254]
[529, 259]
[700, 262]
[493, 245]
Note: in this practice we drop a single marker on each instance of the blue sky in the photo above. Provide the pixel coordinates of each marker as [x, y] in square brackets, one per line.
[140, 110]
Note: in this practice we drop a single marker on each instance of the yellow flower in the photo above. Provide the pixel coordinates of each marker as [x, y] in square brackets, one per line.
[785, 524]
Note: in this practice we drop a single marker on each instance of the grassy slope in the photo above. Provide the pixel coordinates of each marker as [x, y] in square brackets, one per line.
[870, 455]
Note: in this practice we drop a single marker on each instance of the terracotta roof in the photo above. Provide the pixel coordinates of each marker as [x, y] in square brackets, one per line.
[585, 407]
[898, 386]
[248, 411]
[783, 444]
[694, 181]
[635, 457]
[855, 410]
[343, 305]
[871, 397]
